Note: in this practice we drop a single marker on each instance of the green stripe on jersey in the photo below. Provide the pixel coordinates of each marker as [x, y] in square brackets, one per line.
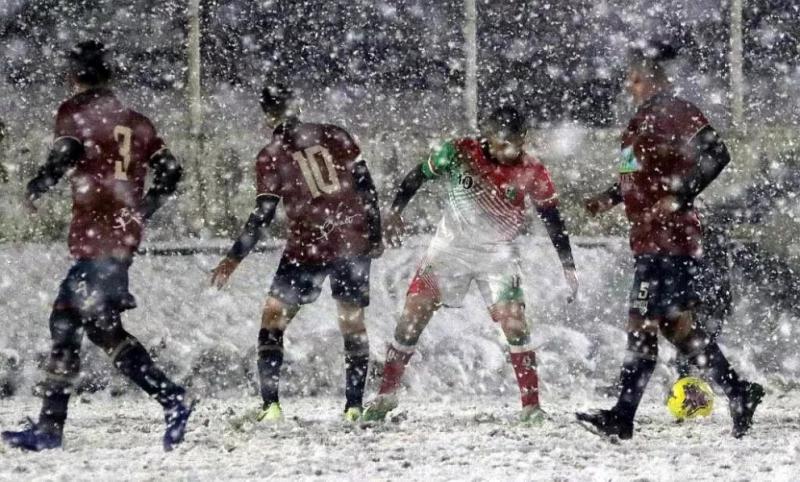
[440, 161]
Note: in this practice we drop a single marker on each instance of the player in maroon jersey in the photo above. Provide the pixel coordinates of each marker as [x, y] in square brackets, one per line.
[334, 231]
[670, 153]
[107, 150]
[491, 182]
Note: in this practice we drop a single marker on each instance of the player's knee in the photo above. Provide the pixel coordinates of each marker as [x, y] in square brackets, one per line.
[510, 316]
[638, 323]
[408, 331]
[106, 337]
[351, 319]
[644, 344]
[679, 328]
[277, 315]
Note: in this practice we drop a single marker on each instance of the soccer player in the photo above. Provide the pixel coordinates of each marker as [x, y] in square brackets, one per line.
[670, 154]
[334, 231]
[489, 182]
[105, 149]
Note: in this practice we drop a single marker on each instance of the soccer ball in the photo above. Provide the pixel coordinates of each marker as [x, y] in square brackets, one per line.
[690, 398]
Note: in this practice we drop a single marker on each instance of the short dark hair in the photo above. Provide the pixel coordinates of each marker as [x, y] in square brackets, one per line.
[88, 64]
[652, 57]
[506, 121]
[275, 98]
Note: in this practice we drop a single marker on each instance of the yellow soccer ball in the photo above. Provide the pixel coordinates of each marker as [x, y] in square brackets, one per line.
[690, 398]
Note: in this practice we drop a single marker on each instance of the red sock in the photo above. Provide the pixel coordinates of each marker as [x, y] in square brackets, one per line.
[524, 364]
[396, 361]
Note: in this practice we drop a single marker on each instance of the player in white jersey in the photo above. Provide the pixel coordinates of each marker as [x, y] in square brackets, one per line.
[489, 181]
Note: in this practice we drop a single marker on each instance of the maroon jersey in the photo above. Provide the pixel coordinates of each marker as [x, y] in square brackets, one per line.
[656, 156]
[108, 180]
[310, 167]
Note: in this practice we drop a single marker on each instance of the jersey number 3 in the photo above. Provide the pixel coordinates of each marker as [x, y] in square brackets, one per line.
[123, 135]
[310, 161]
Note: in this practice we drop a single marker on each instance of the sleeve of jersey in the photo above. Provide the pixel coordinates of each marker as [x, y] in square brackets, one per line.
[440, 161]
[683, 123]
[66, 125]
[268, 180]
[157, 146]
[543, 191]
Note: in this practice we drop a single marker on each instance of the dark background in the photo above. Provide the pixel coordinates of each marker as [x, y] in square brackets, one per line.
[561, 59]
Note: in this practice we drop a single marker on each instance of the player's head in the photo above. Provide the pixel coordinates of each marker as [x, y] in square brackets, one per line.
[504, 131]
[87, 64]
[276, 102]
[647, 71]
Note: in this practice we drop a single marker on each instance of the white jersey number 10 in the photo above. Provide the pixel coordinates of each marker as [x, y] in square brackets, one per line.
[310, 161]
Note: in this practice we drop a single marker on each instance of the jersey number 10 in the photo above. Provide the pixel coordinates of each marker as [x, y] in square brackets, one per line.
[123, 135]
[309, 162]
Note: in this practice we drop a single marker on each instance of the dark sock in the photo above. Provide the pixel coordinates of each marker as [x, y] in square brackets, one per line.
[62, 369]
[684, 365]
[270, 360]
[132, 359]
[713, 362]
[356, 363]
[639, 364]
[54, 411]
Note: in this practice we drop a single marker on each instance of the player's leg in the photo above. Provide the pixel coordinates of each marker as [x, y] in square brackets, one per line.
[510, 315]
[274, 320]
[61, 371]
[641, 354]
[422, 301]
[681, 328]
[502, 293]
[713, 287]
[131, 358]
[293, 285]
[356, 356]
[106, 297]
[350, 288]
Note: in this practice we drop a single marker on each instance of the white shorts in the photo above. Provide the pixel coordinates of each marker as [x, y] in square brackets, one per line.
[447, 271]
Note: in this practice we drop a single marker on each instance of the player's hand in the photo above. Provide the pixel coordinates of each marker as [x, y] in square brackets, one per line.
[393, 230]
[572, 281]
[597, 204]
[665, 206]
[29, 206]
[222, 273]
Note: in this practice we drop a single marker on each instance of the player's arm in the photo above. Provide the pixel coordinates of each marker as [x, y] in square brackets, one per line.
[167, 173]
[712, 156]
[63, 155]
[260, 218]
[556, 230]
[604, 201]
[545, 198]
[436, 165]
[365, 187]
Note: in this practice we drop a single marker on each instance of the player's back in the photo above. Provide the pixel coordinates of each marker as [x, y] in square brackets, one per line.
[310, 166]
[108, 180]
[656, 154]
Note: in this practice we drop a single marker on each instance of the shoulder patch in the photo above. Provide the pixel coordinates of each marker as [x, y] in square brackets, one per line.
[628, 162]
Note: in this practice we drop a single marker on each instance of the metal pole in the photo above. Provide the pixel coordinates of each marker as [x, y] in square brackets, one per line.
[196, 105]
[736, 65]
[471, 53]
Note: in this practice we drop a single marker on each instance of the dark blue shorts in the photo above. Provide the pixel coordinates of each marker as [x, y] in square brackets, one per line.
[663, 286]
[96, 287]
[301, 283]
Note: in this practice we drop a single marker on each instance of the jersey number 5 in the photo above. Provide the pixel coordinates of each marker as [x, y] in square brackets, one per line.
[309, 161]
[123, 135]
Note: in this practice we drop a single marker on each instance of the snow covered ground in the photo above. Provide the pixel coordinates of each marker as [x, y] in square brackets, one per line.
[456, 420]
[432, 438]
